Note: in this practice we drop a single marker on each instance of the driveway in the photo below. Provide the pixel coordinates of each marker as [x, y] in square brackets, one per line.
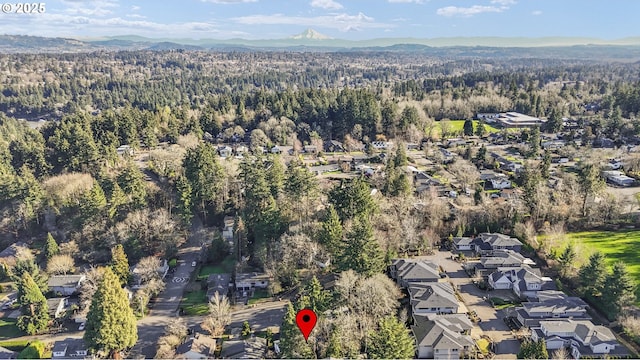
[492, 324]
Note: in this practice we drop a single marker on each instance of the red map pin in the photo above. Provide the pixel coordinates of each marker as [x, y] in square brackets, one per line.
[306, 321]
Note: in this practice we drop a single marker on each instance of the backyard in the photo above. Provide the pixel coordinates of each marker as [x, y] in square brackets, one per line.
[8, 329]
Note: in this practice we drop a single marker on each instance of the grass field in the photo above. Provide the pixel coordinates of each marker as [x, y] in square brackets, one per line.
[457, 127]
[226, 266]
[615, 245]
[195, 303]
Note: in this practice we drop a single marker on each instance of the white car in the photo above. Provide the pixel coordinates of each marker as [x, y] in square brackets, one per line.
[81, 327]
[193, 263]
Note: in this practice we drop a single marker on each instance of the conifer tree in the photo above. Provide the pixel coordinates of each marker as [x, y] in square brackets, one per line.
[111, 324]
[292, 344]
[391, 340]
[184, 204]
[362, 252]
[35, 312]
[331, 233]
[50, 247]
[618, 291]
[120, 264]
[118, 198]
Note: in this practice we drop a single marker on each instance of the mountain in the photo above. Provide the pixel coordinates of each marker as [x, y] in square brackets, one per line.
[310, 34]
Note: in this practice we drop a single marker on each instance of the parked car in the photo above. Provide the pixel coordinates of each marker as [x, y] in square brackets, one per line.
[82, 325]
[193, 263]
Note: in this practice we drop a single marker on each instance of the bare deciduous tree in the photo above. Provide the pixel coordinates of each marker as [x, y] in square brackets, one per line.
[147, 269]
[60, 265]
[219, 315]
[89, 287]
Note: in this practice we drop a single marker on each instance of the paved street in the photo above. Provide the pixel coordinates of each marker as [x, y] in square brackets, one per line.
[166, 306]
[492, 324]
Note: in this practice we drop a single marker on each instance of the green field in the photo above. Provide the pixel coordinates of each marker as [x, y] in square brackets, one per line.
[615, 245]
[195, 303]
[457, 127]
[8, 329]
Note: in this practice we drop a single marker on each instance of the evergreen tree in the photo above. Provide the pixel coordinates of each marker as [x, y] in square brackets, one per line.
[118, 198]
[111, 324]
[545, 166]
[362, 252]
[206, 176]
[352, 199]
[50, 247]
[590, 183]
[481, 128]
[299, 182]
[275, 176]
[534, 142]
[391, 341]
[93, 201]
[35, 312]
[28, 265]
[533, 350]
[120, 264]
[134, 185]
[618, 291]
[292, 344]
[566, 260]
[592, 276]
[318, 297]
[331, 233]
[467, 128]
[184, 203]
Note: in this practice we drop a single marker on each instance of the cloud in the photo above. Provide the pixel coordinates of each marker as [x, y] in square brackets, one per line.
[90, 8]
[536, 12]
[504, 2]
[326, 4]
[342, 22]
[135, 8]
[497, 7]
[408, 1]
[229, 1]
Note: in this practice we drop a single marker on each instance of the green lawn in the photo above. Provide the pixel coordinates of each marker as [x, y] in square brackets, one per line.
[457, 126]
[259, 295]
[195, 303]
[226, 266]
[615, 245]
[8, 329]
[483, 345]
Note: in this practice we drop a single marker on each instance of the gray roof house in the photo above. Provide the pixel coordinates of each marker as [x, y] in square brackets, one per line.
[500, 258]
[218, 283]
[442, 337]
[582, 337]
[8, 255]
[197, 347]
[525, 281]
[531, 313]
[405, 271]
[69, 348]
[244, 349]
[7, 354]
[463, 243]
[57, 307]
[433, 298]
[487, 242]
[65, 284]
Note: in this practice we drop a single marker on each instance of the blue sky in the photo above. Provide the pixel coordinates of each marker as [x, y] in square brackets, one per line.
[345, 19]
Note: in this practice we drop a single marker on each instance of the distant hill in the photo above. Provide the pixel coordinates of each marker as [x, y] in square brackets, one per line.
[166, 45]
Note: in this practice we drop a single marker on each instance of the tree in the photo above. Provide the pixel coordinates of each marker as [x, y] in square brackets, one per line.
[133, 184]
[331, 233]
[35, 312]
[111, 324]
[566, 260]
[352, 199]
[362, 252]
[292, 344]
[391, 341]
[35, 350]
[93, 201]
[147, 269]
[481, 128]
[467, 128]
[118, 198]
[534, 142]
[60, 265]
[120, 264]
[206, 176]
[618, 291]
[28, 265]
[299, 182]
[185, 202]
[50, 247]
[275, 176]
[592, 276]
[318, 298]
[590, 183]
[545, 165]
[246, 329]
[533, 350]
[219, 315]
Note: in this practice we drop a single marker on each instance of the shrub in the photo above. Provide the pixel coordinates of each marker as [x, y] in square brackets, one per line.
[35, 350]
[173, 263]
[15, 345]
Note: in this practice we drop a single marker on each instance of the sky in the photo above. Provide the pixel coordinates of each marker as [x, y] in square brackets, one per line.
[342, 19]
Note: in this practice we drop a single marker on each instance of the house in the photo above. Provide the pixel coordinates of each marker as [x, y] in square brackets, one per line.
[463, 243]
[227, 230]
[7, 354]
[321, 169]
[333, 146]
[198, 346]
[276, 150]
[381, 145]
[57, 307]
[604, 143]
[244, 349]
[487, 242]
[618, 178]
[69, 348]
[218, 283]
[443, 336]
[246, 283]
[513, 167]
[65, 284]
[500, 182]
[433, 298]
[124, 150]
[225, 151]
[139, 277]
[524, 280]
[406, 271]
[551, 307]
[581, 337]
[553, 144]
[517, 120]
[493, 260]
[512, 194]
[311, 149]
[9, 255]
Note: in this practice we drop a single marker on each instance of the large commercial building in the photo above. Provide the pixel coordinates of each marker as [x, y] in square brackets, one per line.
[512, 119]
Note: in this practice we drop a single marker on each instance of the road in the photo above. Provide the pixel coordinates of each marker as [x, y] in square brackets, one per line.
[492, 324]
[166, 306]
[260, 316]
